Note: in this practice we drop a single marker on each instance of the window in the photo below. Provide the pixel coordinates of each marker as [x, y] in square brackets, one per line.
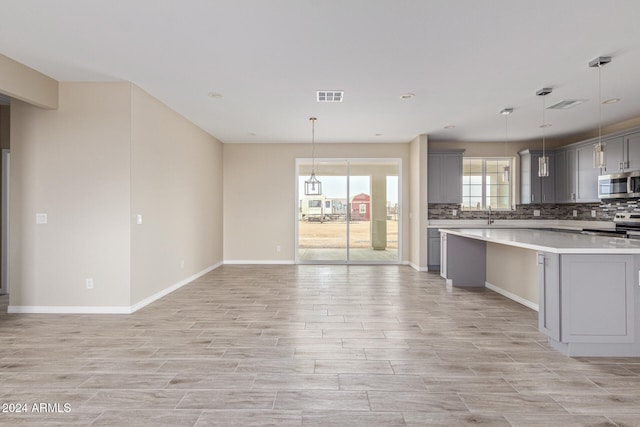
[363, 208]
[483, 185]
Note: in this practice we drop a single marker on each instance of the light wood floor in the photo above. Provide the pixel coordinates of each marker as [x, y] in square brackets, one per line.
[309, 345]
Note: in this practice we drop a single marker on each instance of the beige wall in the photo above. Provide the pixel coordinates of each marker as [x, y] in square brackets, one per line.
[418, 212]
[26, 84]
[176, 184]
[108, 152]
[260, 200]
[514, 270]
[72, 164]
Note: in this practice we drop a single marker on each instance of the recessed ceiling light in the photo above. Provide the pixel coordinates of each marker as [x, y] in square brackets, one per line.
[611, 101]
[566, 104]
[214, 95]
[379, 134]
[406, 96]
[450, 126]
[329, 95]
[545, 125]
[506, 111]
[251, 134]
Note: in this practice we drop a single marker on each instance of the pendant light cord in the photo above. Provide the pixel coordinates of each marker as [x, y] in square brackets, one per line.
[313, 145]
[544, 124]
[506, 133]
[599, 104]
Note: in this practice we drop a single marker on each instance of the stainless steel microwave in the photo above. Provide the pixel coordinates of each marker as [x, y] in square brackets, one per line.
[619, 185]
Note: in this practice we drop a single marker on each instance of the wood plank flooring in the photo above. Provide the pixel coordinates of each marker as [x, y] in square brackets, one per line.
[309, 345]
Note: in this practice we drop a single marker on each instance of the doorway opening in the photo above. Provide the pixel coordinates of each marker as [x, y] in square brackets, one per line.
[356, 219]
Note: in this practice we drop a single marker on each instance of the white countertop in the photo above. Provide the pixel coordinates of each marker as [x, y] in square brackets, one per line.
[550, 241]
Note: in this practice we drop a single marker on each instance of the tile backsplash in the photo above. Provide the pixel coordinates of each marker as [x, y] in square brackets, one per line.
[605, 211]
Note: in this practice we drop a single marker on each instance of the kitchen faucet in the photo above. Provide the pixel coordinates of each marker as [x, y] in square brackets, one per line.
[489, 220]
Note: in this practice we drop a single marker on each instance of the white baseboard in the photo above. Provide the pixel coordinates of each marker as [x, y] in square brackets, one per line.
[61, 309]
[137, 306]
[512, 296]
[41, 309]
[417, 267]
[260, 262]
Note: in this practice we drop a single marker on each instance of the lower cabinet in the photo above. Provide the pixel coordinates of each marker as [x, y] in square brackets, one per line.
[433, 254]
[597, 298]
[587, 298]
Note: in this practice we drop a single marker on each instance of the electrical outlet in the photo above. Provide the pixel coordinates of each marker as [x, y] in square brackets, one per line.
[139, 219]
[575, 212]
[182, 264]
[536, 212]
[455, 212]
[278, 248]
[89, 283]
[593, 214]
[41, 218]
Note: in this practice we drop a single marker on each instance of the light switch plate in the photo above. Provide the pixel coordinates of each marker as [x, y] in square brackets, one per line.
[41, 218]
[536, 212]
[593, 214]
[139, 219]
[575, 212]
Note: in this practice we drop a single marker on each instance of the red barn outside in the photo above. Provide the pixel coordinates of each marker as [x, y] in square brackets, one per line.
[361, 207]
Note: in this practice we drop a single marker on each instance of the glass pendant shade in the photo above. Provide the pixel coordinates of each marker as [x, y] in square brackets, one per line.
[599, 155]
[506, 174]
[543, 161]
[543, 166]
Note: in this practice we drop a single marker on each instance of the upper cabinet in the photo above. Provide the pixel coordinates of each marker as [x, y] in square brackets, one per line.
[533, 188]
[623, 153]
[587, 175]
[576, 180]
[444, 170]
[566, 175]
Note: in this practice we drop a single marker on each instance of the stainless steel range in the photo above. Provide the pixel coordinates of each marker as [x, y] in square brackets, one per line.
[628, 223]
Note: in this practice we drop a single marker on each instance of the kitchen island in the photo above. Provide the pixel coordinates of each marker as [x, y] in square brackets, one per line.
[583, 286]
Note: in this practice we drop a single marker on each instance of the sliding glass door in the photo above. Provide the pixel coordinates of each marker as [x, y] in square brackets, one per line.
[356, 219]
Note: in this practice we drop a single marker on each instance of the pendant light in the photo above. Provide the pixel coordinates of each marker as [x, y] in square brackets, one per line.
[599, 150]
[543, 161]
[506, 170]
[313, 187]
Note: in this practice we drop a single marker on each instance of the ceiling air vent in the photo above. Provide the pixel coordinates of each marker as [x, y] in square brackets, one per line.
[566, 104]
[329, 95]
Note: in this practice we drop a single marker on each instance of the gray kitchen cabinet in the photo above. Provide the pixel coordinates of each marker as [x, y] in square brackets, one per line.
[433, 250]
[566, 175]
[549, 294]
[623, 153]
[535, 189]
[615, 155]
[632, 144]
[444, 171]
[562, 188]
[586, 298]
[597, 298]
[587, 175]
[575, 177]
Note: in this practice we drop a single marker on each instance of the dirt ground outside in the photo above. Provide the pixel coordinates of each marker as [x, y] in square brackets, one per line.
[332, 234]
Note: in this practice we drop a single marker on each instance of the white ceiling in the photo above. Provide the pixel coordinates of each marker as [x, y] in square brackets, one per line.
[464, 60]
